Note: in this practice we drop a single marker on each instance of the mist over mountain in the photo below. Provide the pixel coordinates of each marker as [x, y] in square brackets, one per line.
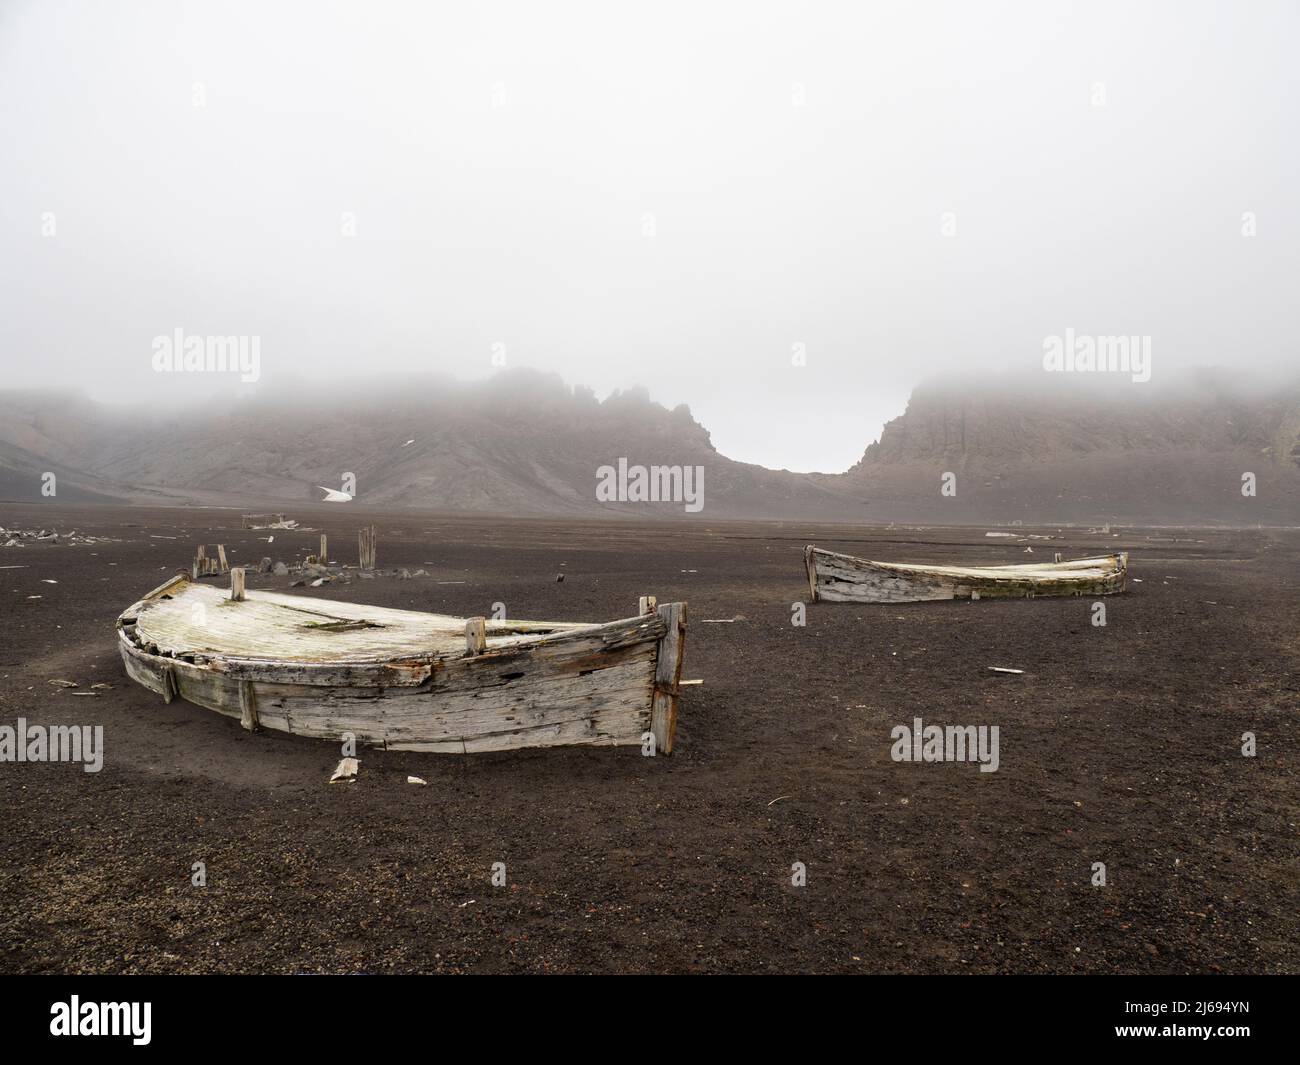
[1068, 448]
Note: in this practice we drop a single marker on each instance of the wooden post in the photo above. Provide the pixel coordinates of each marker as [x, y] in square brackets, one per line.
[475, 636]
[646, 605]
[247, 705]
[367, 541]
[222, 567]
[237, 584]
[323, 557]
[1057, 557]
[668, 676]
[810, 564]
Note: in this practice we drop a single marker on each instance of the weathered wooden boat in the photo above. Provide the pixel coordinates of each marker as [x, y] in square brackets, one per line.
[838, 578]
[403, 679]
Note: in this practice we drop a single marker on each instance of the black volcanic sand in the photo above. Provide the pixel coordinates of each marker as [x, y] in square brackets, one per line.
[1118, 745]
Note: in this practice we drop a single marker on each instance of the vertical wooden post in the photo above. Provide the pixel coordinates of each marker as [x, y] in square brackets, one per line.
[810, 564]
[475, 636]
[367, 541]
[222, 567]
[324, 556]
[668, 676]
[1057, 557]
[247, 705]
[237, 584]
[647, 604]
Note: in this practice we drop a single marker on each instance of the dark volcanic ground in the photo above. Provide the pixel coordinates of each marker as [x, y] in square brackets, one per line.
[1118, 745]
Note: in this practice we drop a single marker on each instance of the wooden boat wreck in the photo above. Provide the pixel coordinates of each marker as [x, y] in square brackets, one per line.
[839, 578]
[403, 679]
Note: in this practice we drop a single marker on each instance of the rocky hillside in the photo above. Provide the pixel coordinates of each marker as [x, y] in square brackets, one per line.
[522, 443]
[1073, 449]
[1070, 450]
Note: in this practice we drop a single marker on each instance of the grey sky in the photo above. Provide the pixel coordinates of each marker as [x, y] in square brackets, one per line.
[500, 161]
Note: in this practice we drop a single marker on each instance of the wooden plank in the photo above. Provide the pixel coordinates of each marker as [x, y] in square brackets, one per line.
[668, 675]
[647, 604]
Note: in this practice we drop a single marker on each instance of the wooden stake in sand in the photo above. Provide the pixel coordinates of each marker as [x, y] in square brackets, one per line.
[237, 585]
[668, 676]
[647, 604]
[323, 557]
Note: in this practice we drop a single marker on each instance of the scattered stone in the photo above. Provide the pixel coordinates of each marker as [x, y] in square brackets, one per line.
[321, 580]
[416, 780]
[559, 578]
[265, 566]
[65, 684]
[299, 583]
[281, 570]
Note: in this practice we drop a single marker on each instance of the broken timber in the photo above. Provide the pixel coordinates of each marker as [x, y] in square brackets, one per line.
[202, 566]
[837, 578]
[367, 541]
[408, 680]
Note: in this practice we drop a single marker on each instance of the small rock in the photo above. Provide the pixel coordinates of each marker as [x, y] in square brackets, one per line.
[281, 570]
[416, 780]
[559, 578]
[265, 566]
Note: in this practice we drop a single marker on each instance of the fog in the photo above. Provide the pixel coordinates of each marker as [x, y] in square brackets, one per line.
[785, 215]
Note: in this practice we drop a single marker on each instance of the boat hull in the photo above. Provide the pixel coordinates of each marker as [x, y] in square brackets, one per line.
[837, 578]
[608, 684]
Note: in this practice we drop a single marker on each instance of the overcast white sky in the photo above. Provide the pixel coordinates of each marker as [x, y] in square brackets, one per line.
[501, 159]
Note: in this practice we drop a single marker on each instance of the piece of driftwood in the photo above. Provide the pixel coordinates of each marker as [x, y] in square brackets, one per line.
[403, 679]
[237, 585]
[837, 578]
[345, 772]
